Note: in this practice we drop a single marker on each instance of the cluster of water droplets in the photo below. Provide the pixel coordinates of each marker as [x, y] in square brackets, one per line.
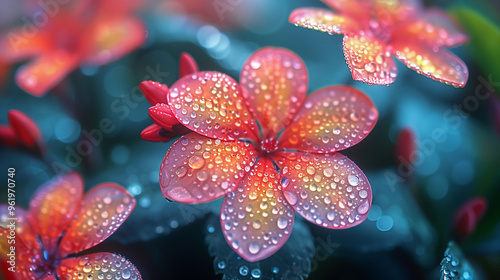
[333, 118]
[200, 169]
[328, 190]
[100, 266]
[210, 103]
[454, 265]
[102, 212]
[256, 219]
[369, 60]
[319, 19]
[437, 64]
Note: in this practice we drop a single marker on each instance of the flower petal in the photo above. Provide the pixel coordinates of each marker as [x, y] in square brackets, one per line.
[354, 8]
[332, 119]
[405, 147]
[328, 190]
[45, 72]
[103, 209]
[198, 169]
[369, 60]
[256, 218]
[52, 207]
[114, 39]
[8, 137]
[154, 133]
[98, 266]
[163, 116]
[22, 43]
[437, 64]
[274, 85]
[324, 20]
[187, 65]
[26, 129]
[22, 226]
[154, 92]
[432, 28]
[211, 104]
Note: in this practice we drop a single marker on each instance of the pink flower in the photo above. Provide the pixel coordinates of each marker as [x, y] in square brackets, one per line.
[61, 222]
[375, 29]
[270, 149]
[80, 32]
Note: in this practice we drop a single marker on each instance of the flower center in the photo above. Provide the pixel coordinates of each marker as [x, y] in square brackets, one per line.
[268, 145]
[46, 264]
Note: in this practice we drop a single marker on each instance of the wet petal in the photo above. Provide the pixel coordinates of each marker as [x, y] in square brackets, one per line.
[103, 209]
[292, 261]
[98, 266]
[26, 129]
[163, 116]
[154, 92]
[53, 206]
[187, 65]
[432, 28]
[437, 64]
[198, 169]
[274, 85]
[45, 72]
[369, 60]
[114, 39]
[355, 8]
[154, 133]
[332, 119]
[324, 20]
[328, 190]
[16, 46]
[22, 226]
[256, 218]
[211, 104]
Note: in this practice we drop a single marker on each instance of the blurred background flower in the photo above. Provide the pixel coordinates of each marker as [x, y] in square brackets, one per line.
[92, 122]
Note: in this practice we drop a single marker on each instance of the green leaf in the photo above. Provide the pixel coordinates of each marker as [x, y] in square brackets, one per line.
[455, 266]
[484, 41]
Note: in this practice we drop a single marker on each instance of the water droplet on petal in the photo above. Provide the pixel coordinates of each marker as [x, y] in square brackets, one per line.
[353, 180]
[282, 223]
[363, 208]
[196, 162]
[254, 248]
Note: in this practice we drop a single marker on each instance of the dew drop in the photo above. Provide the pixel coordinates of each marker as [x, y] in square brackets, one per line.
[363, 208]
[254, 248]
[328, 172]
[181, 171]
[290, 197]
[282, 223]
[196, 162]
[336, 131]
[363, 193]
[353, 180]
[255, 64]
[370, 67]
[255, 273]
[310, 170]
[330, 216]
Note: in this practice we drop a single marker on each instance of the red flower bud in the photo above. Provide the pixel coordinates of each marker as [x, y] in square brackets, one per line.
[187, 65]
